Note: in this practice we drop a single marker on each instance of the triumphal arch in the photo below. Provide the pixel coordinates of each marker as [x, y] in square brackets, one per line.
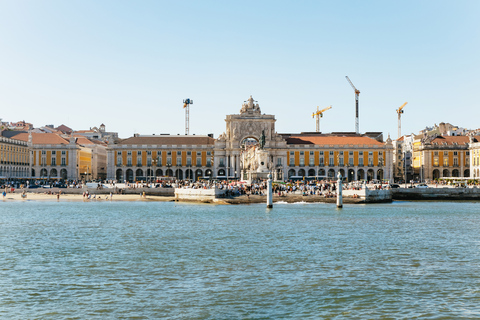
[250, 147]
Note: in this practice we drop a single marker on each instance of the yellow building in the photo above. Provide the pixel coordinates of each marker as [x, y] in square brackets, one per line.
[142, 158]
[441, 157]
[14, 159]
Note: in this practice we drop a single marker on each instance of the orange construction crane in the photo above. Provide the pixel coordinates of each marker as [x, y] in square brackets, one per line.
[319, 115]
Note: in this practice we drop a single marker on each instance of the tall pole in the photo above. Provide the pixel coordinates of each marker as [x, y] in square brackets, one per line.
[339, 191]
[269, 191]
[186, 106]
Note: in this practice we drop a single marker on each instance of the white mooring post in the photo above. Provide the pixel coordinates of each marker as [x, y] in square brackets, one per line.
[269, 191]
[339, 191]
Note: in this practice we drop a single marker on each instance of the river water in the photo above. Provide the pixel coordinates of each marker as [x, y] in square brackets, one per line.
[151, 260]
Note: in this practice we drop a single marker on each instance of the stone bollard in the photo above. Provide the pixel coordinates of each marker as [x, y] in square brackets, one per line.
[339, 191]
[269, 192]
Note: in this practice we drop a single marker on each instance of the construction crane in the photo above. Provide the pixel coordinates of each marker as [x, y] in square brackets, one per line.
[319, 115]
[399, 112]
[357, 93]
[186, 106]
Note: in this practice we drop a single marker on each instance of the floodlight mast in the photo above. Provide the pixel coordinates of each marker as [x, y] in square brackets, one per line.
[186, 105]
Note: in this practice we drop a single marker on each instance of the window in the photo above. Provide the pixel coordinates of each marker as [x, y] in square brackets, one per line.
[139, 153]
[311, 153]
[331, 163]
[455, 162]
[54, 161]
[179, 162]
[189, 153]
[199, 162]
[340, 161]
[119, 161]
[445, 162]
[129, 161]
[292, 161]
[149, 161]
[350, 162]
[292, 153]
[311, 161]
[279, 161]
[360, 153]
[221, 162]
[445, 153]
[64, 161]
[169, 161]
[169, 153]
[321, 153]
[320, 161]
[149, 153]
[199, 153]
[54, 152]
[370, 153]
[179, 153]
[119, 153]
[189, 161]
[331, 153]
[435, 153]
[129, 153]
[301, 153]
[455, 153]
[302, 162]
[341, 153]
[350, 153]
[43, 151]
[209, 153]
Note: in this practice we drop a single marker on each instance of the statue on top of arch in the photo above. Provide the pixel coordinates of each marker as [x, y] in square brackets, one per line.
[249, 107]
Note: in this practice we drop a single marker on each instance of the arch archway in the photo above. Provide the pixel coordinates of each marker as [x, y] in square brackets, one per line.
[129, 175]
[380, 174]
[321, 172]
[221, 173]
[466, 173]
[139, 173]
[43, 173]
[189, 174]
[63, 174]
[159, 172]
[53, 172]
[351, 175]
[249, 141]
[360, 174]
[291, 173]
[455, 173]
[179, 174]
[119, 175]
[311, 172]
[198, 174]
[169, 173]
[301, 172]
[446, 173]
[342, 172]
[331, 173]
[370, 174]
[436, 174]
[33, 173]
[208, 173]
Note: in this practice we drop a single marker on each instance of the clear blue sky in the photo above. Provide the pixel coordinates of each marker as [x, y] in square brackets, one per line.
[129, 64]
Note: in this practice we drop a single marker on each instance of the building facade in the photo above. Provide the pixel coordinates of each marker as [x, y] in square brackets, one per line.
[251, 148]
[14, 158]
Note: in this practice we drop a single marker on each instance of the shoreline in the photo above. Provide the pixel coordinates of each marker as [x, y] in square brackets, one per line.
[243, 199]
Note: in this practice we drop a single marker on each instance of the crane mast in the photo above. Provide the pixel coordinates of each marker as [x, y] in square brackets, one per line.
[357, 93]
[186, 106]
[399, 112]
[319, 114]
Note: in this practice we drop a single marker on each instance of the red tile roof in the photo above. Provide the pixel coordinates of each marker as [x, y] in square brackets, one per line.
[450, 140]
[42, 138]
[332, 140]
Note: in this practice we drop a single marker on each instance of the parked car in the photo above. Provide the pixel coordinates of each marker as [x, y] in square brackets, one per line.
[421, 185]
[33, 186]
[394, 186]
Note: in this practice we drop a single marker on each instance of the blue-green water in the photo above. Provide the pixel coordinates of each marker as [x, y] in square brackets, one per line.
[150, 260]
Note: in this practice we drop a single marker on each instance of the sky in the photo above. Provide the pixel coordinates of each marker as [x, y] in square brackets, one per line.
[130, 64]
